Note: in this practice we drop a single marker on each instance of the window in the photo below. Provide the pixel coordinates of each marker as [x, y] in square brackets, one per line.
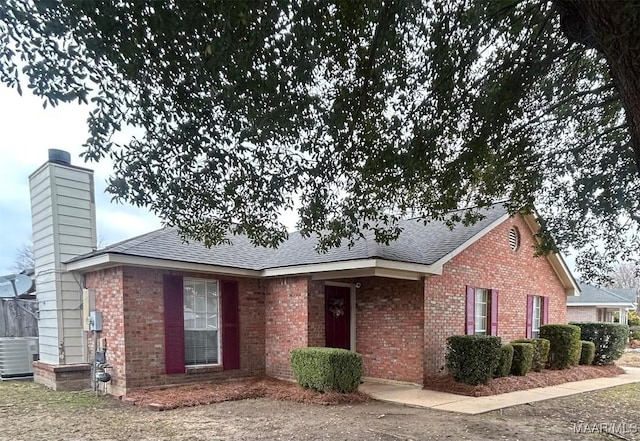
[482, 311]
[201, 322]
[537, 314]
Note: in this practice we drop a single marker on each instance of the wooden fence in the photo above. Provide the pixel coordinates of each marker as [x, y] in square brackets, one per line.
[15, 321]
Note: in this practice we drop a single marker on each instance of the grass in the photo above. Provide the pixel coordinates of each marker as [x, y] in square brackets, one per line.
[29, 395]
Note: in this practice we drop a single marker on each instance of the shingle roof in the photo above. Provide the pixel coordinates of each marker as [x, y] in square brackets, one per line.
[418, 243]
[591, 294]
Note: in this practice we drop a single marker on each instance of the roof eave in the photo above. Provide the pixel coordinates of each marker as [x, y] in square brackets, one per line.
[109, 260]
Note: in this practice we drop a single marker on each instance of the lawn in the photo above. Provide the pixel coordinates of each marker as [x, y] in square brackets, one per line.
[31, 412]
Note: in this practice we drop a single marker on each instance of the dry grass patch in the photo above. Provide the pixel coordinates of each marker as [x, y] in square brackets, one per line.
[209, 393]
[530, 381]
[629, 359]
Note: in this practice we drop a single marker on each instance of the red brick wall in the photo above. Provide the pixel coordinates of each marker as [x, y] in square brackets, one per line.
[389, 328]
[286, 322]
[134, 327]
[110, 302]
[582, 314]
[489, 263]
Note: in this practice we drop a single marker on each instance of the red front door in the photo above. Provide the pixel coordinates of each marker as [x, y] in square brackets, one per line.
[337, 317]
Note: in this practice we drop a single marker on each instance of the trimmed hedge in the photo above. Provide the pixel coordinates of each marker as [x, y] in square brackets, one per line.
[588, 352]
[634, 332]
[540, 352]
[565, 347]
[472, 359]
[327, 369]
[522, 358]
[504, 364]
[610, 340]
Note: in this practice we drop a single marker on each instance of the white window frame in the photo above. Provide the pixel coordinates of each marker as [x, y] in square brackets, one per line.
[536, 316]
[208, 283]
[483, 300]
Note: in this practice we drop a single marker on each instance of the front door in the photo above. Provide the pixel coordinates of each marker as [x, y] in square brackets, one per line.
[337, 317]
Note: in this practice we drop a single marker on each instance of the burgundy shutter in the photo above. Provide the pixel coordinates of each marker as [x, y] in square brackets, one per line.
[529, 315]
[173, 324]
[545, 310]
[471, 310]
[230, 324]
[494, 312]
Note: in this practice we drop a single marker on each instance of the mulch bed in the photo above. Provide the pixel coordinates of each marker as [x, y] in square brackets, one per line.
[208, 393]
[530, 381]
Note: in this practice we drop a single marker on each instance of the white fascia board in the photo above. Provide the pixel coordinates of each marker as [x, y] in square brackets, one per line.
[603, 305]
[110, 260]
[379, 265]
[556, 260]
[368, 272]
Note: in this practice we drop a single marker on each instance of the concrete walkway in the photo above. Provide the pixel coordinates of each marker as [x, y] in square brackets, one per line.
[414, 396]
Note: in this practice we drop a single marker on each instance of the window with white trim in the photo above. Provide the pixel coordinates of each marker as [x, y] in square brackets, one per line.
[482, 311]
[536, 317]
[201, 322]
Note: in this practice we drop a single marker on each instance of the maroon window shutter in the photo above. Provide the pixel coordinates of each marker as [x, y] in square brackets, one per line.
[545, 310]
[173, 324]
[471, 310]
[230, 324]
[529, 315]
[494, 312]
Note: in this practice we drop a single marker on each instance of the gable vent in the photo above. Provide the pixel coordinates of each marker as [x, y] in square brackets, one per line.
[514, 238]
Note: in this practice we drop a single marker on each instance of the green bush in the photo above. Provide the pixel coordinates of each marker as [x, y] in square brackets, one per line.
[522, 358]
[472, 359]
[588, 352]
[540, 352]
[634, 333]
[633, 319]
[327, 369]
[610, 340]
[564, 345]
[504, 364]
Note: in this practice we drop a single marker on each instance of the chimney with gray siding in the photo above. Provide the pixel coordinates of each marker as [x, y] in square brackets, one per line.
[64, 226]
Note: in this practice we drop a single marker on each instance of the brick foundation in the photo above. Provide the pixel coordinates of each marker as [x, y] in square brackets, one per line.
[62, 377]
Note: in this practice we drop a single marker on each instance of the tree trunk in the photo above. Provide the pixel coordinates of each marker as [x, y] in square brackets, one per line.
[613, 28]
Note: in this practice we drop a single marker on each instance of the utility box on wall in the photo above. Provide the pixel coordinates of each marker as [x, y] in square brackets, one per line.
[95, 321]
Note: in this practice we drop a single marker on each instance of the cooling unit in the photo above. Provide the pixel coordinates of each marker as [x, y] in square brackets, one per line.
[17, 355]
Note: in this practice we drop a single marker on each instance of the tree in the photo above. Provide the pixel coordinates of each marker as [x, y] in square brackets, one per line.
[25, 259]
[625, 275]
[355, 113]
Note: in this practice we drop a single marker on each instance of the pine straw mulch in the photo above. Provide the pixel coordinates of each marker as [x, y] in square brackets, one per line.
[208, 393]
[530, 381]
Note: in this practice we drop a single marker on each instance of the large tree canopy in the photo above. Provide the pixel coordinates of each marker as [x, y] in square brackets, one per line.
[356, 113]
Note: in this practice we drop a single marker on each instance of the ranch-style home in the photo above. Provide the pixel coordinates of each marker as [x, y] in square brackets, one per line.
[175, 313]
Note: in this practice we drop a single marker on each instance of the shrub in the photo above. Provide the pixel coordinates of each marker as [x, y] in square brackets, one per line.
[588, 352]
[634, 333]
[504, 364]
[327, 369]
[564, 345]
[522, 358]
[472, 359]
[540, 352]
[633, 319]
[610, 340]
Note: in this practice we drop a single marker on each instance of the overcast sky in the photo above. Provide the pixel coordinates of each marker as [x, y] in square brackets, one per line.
[27, 131]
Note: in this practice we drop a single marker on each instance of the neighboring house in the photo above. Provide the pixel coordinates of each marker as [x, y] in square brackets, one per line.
[175, 313]
[601, 304]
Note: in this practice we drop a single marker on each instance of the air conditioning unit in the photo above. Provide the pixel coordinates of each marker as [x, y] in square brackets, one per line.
[17, 355]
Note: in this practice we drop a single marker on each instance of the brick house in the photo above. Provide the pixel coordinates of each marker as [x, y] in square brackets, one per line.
[176, 313]
[601, 304]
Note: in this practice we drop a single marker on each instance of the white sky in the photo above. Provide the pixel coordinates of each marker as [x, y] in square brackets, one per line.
[27, 131]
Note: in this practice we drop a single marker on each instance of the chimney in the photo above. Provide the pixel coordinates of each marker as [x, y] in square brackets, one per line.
[64, 226]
